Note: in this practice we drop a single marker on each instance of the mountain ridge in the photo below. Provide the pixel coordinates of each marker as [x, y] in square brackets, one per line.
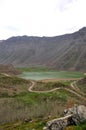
[64, 52]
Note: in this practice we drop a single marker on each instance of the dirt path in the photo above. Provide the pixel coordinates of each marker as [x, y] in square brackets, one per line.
[77, 94]
[70, 90]
[5, 74]
[31, 87]
[85, 74]
[33, 84]
[75, 88]
[59, 79]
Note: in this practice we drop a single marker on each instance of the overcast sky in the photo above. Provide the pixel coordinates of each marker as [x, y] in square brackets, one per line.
[41, 17]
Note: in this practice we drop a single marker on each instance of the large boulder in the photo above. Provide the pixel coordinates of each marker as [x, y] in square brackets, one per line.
[71, 116]
[58, 124]
[78, 113]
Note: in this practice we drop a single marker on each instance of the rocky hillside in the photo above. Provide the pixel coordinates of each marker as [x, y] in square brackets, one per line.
[72, 116]
[9, 69]
[66, 52]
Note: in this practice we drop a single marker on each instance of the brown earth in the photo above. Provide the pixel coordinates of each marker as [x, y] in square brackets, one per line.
[9, 70]
[59, 79]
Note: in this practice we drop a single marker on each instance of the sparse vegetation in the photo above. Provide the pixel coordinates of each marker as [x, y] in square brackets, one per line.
[12, 85]
[36, 69]
[42, 86]
[79, 127]
[36, 124]
[68, 82]
[82, 85]
[17, 104]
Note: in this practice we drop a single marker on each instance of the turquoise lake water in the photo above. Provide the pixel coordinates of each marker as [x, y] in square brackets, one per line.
[50, 75]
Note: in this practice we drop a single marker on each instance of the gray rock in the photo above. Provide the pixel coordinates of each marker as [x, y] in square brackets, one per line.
[78, 113]
[59, 123]
[72, 116]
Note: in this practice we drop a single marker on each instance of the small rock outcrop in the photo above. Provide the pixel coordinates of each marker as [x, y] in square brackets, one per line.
[78, 113]
[72, 116]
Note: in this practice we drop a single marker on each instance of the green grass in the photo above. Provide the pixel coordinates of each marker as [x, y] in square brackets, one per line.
[36, 69]
[82, 126]
[42, 86]
[67, 82]
[28, 105]
[36, 98]
[16, 103]
[32, 105]
[12, 85]
[36, 124]
[50, 75]
[82, 85]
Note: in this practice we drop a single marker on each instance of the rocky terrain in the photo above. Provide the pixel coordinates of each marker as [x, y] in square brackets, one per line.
[66, 52]
[9, 69]
[72, 116]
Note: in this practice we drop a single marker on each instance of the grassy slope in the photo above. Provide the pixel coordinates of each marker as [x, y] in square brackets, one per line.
[36, 124]
[23, 105]
[12, 85]
[82, 85]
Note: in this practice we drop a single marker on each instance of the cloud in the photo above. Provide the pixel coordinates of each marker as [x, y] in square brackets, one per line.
[11, 28]
[41, 17]
[63, 5]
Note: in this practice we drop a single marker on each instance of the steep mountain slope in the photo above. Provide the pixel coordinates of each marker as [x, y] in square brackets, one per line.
[66, 52]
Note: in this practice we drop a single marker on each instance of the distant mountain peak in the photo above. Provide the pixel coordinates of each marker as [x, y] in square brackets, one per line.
[82, 29]
[80, 33]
